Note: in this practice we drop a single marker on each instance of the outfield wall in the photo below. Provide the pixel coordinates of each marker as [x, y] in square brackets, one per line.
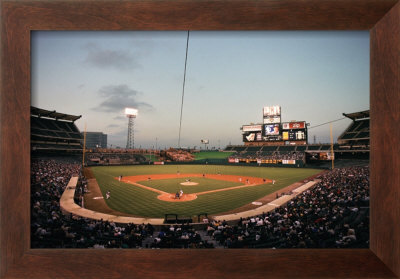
[296, 164]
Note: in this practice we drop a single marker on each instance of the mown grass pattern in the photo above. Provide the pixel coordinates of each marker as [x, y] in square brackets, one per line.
[134, 200]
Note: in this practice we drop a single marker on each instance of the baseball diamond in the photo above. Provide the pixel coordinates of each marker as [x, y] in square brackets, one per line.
[150, 191]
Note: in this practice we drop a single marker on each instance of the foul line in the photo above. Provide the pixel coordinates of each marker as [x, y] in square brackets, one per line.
[199, 193]
[227, 189]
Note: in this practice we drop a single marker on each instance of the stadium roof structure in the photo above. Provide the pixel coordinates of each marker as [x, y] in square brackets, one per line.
[53, 114]
[357, 115]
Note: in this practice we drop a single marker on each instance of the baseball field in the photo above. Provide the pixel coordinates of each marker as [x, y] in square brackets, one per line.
[189, 190]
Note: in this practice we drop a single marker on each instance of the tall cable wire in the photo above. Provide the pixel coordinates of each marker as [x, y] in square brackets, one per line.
[183, 90]
[327, 123]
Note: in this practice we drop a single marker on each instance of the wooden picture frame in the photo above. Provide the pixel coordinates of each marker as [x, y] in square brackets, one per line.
[19, 18]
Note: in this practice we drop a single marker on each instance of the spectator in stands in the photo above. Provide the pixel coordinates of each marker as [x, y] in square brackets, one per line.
[332, 214]
[50, 228]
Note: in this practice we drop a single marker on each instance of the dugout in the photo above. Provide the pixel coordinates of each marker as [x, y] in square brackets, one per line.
[171, 218]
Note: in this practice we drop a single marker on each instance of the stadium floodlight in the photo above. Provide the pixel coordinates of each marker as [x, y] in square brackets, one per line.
[131, 113]
[205, 142]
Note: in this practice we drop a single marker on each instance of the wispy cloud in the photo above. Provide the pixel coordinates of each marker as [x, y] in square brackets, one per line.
[119, 118]
[112, 126]
[108, 58]
[118, 97]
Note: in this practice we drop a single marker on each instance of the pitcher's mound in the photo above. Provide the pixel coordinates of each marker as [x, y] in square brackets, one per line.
[171, 197]
[188, 183]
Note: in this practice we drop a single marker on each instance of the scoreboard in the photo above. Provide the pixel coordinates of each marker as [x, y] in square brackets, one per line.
[273, 130]
[252, 133]
[294, 135]
[294, 131]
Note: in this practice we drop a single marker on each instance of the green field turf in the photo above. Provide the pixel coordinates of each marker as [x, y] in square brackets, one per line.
[152, 157]
[138, 201]
[212, 155]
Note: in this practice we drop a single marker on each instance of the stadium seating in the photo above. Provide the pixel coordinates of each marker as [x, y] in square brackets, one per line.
[51, 228]
[356, 137]
[53, 131]
[179, 155]
[114, 158]
[269, 148]
[301, 147]
[314, 147]
[286, 148]
[332, 214]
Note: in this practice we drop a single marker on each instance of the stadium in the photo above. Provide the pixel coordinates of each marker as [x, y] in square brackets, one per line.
[273, 191]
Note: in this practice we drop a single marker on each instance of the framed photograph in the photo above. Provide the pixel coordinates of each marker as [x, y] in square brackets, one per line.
[20, 19]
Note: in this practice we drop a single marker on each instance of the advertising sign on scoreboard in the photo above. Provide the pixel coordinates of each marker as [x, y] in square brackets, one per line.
[272, 111]
[272, 119]
[252, 128]
[294, 135]
[248, 137]
[294, 125]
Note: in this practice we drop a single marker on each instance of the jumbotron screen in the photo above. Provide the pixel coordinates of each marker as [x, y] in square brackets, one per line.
[271, 130]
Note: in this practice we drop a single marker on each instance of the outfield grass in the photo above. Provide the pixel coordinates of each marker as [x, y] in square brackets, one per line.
[212, 155]
[138, 201]
[152, 157]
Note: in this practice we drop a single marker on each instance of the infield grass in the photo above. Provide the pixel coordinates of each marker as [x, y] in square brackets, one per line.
[173, 185]
[134, 200]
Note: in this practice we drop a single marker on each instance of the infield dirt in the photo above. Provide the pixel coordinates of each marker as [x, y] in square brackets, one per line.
[248, 181]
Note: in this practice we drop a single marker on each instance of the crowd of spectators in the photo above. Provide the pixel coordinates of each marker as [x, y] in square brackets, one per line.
[273, 155]
[179, 155]
[114, 158]
[332, 214]
[122, 151]
[52, 228]
[182, 236]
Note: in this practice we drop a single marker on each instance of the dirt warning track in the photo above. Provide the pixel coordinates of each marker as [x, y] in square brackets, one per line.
[248, 181]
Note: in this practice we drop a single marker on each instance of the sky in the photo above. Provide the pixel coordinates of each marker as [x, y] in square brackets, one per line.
[230, 76]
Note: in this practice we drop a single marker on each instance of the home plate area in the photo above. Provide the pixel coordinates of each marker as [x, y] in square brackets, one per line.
[247, 181]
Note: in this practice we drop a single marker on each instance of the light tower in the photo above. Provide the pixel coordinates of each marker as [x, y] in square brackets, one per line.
[131, 113]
